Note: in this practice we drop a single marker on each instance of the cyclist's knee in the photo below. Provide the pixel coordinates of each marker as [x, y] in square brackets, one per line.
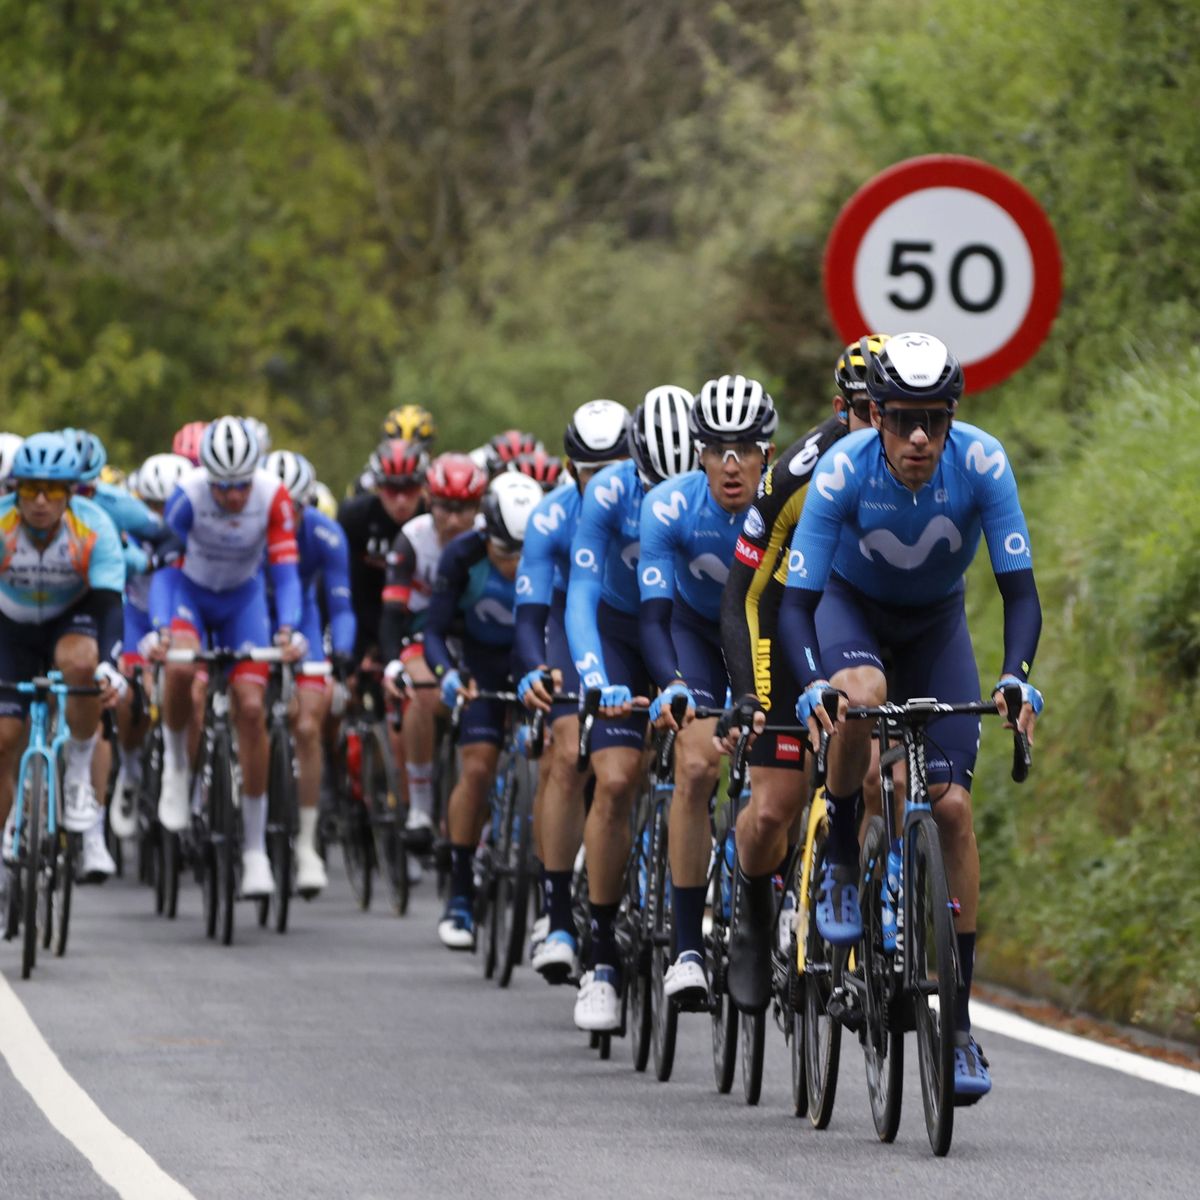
[695, 774]
[953, 812]
[863, 686]
[250, 703]
[12, 735]
[77, 658]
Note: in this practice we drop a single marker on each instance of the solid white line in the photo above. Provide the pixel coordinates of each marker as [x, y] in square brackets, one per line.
[114, 1156]
[1006, 1024]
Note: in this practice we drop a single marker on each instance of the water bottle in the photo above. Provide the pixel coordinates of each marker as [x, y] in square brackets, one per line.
[892, 894]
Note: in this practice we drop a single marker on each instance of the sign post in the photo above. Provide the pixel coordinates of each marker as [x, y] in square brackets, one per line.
[951, 246]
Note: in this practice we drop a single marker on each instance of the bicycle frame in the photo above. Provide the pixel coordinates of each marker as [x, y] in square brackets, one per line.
[41, 689]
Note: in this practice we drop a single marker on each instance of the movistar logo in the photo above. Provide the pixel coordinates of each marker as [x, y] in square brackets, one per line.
[491, 609]
[607, 494]
[907, 558]
[670, 511]
[986, 464]
[829, 482]
[630, 555]
[710, 565]
[548, 522]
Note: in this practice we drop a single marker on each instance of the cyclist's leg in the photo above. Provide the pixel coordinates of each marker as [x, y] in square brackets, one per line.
[313, 697]
[23, 654]
[420, 717]
[181, 708]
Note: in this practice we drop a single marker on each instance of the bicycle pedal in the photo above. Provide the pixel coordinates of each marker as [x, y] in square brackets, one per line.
[965, 1101]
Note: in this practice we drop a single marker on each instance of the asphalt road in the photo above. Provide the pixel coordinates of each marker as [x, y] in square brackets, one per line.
[354, 1057]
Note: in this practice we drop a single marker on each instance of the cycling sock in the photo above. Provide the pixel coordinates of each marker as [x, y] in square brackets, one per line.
[688, 904]
[843, 827]
[131, 761]
[308, 828]
[604, 941]
[79, 757]
[420, 787]
[254, 822]
[558, 900]
[966, 963]
[175, 748]
[462, 873]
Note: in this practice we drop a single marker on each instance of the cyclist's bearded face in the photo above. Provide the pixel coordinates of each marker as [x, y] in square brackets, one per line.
[452, 518]
[42, 504]
[231, 499]
[914, 436]
[400, 502]
[733, 473]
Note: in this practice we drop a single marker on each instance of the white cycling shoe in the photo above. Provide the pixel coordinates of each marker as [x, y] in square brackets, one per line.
[554, 957]
[598, 1005]
[257, 880]
[80, 810]
[122, 812]
[174, 803]
[310, 871]
[539, 932]
[685, 982]
[95, 863]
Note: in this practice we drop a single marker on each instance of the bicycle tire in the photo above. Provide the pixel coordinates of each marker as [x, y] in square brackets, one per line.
[445, 776]
[823, 965]
[283, 820]
[31, 835]
[724, 1014]
[52, 870]
[753, 1033]
[382, 803]
[637, 965]
[883, 1032]
[66, 855]
[149, 831]
[172, 845]
[795, 1032]
[353, 827]
[664, 1025]
[932, 926]
[520, 843]
[223, 832]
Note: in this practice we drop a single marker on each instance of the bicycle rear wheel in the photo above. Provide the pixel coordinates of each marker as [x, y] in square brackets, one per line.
[664, 1014]
[724, 1014]
[637, 964]
[754, 1034]
[518, 869]
[223, 831]
[31, 858]
[823, 965]
[283, 821]
[878, 985]
[383, 804]
[353, 824]
[932, 951]
[66, 854]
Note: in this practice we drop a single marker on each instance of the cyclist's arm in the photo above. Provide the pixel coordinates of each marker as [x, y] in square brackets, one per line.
[163, 586]
[534, 592]
[656, 588]
[179, 514]
[335, 571]
[589, 549]
[283, 559]
[396, 617]
[450, 584]
[106, 585]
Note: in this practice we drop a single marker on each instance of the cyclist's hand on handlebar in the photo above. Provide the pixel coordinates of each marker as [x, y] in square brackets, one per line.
[1031, 704]
[153, 646]
[452, 685]
[811, 712]
[394, 682]
[534, 690]
[113, 685]
[616, 701]
[660, 707]
[747, 717]
[292, 642]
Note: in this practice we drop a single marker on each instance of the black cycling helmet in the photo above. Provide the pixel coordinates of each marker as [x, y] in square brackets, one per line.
[850, 374]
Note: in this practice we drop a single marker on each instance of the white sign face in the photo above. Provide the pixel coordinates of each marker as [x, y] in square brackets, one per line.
[948, 261]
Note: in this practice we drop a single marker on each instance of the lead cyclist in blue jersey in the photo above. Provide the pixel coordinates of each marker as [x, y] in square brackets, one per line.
[890, 524]
[602, 629]
[689, 527]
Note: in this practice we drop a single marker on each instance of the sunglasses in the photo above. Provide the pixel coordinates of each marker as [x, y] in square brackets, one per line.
[738, 451]
[30, 489]
[231, 486]
[400, 489]
[904, 422]
[454, 506]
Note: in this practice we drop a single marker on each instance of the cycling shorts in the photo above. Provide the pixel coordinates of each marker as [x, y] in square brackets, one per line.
[929, 653]
[558, 655]
[699, 655]
[777, 688]
[27, 650]
[234, 620]
[485, 720]
[620, 643]
[136, 626]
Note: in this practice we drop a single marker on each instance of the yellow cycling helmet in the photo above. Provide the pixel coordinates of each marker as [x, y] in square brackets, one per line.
[410, 422]
[323, 498]
[113, 475]
[850, 374]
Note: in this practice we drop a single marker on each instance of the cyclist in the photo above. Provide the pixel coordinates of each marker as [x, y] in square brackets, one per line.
[411, 423]
[229, 514]
[597, 437]
[323, 555]
[371, 522]
[602, 630]
[544, 469]
[475, 582]
[10, 443]
[689, 526]
[262, 435]
[61, 577]
[889, 526]
[505, 448]
[455, 486]
[186, 441]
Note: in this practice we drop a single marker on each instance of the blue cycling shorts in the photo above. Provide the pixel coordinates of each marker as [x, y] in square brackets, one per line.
[485, 720]
[698, 652]
[927, 651]
[558, 656]
[620, 643]
[136, 626]
[234, 620]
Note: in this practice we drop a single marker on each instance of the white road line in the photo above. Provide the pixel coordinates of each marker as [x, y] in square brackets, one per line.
[115, 1156]
[1006, 1024]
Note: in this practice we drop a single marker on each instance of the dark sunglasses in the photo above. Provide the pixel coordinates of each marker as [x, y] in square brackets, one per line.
[455, 506]
[400, 489]
[903, 422]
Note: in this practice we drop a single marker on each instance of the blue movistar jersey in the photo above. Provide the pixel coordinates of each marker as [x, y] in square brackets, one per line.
[468, 591]
[128, 513]
[545, 567]
[604, 560]
[687, 542]
[901, 547]
[324, 555]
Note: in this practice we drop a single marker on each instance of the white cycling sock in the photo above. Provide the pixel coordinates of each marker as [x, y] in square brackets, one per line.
[254, 822]
[420, 787]
[131, 761]
[79, 757]
[175, 748]
[308, 829]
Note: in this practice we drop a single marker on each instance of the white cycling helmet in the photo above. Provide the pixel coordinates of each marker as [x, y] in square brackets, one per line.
[295, 471]
[229, 451]
[661, 440]
[261, 433]
[157, 476]
[598, 433]
[481, 456]
[10, 443]
[507, 506]
[733, 409]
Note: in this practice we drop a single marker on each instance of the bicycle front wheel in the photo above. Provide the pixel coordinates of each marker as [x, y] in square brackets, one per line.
[932, 947]
[282, 823]
[224, 833]
[665, 1016]
[519, 867]
[724, 1014]
[31, 857]
[353, 824]
[823, 967]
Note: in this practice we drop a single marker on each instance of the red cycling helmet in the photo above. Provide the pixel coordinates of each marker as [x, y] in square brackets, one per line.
[541, 467]
[397, 463]
[456, 477]
[187, 441]
[511, 443]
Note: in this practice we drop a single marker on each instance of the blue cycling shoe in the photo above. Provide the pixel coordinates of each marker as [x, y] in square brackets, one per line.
[839, 919]
[971, 1079]
[457, 928]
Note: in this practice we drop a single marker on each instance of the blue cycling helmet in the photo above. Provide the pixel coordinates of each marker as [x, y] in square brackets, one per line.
[91, 452]
[47, 456]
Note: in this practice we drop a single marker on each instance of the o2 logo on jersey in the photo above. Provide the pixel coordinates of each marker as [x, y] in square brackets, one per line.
[1016, 545]
[548, 522]
[834, 480]
[607, 494]
[755, 526]
[524, 585]
[671, 510]
[796, 565]
[986, 464]
[652, 577]
[711, 566]
[807, 458]
[585, 559]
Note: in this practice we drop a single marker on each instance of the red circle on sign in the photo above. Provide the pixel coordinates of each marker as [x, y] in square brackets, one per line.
[970, 174]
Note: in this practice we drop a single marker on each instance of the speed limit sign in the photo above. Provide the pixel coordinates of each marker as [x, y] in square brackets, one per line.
[951, 246]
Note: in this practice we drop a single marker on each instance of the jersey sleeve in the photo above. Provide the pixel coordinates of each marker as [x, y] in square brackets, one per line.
[664, 513]
[106, 567]
[585, 586]
[283, 559]
[335, 574]
[179, 514]
[401, 568]
[995, 489]
[449, 585]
